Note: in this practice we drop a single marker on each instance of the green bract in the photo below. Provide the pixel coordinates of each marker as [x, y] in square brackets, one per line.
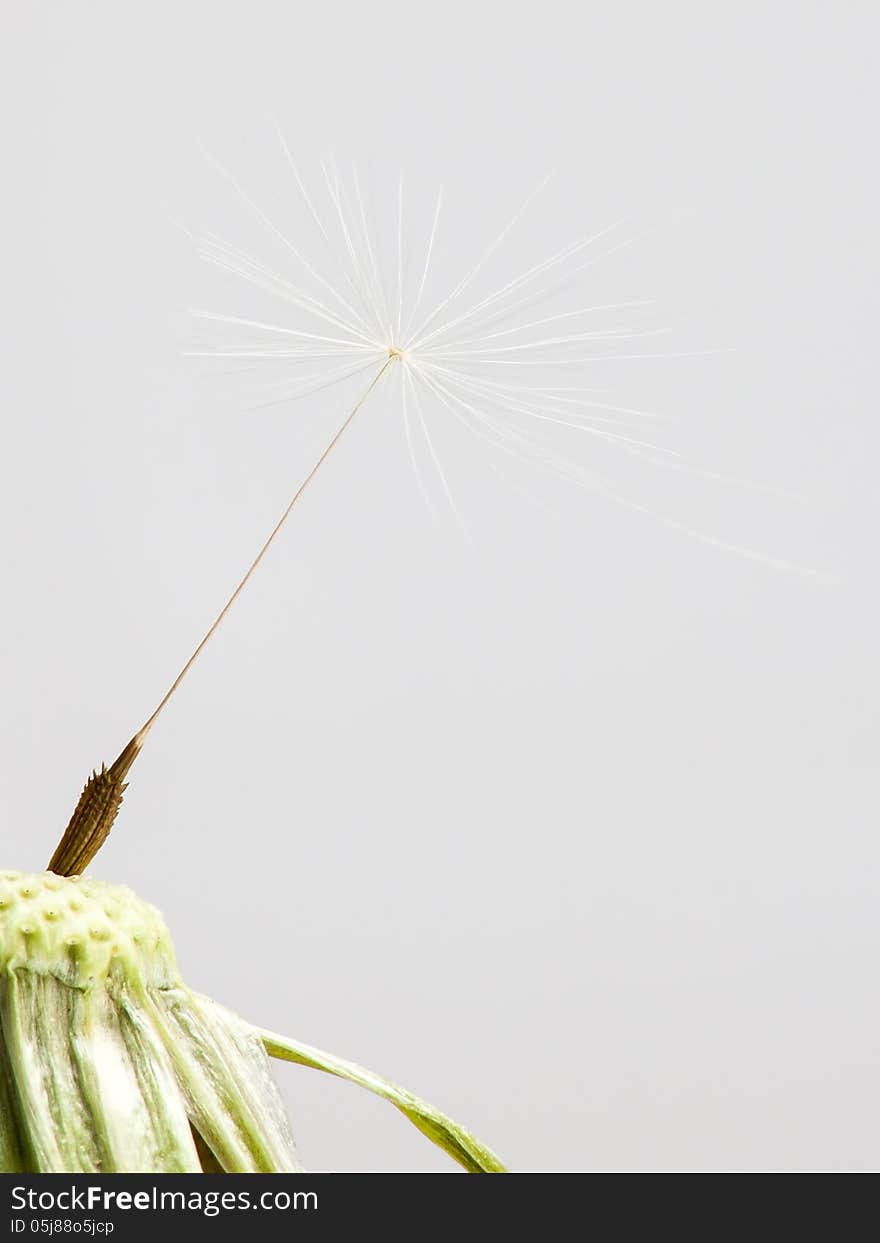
[109, 1063]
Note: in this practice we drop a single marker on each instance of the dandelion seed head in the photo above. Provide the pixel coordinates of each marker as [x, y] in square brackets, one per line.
[509, 364]
[354, 297]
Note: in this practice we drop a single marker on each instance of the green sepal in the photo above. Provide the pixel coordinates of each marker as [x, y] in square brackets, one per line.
[224, 1074]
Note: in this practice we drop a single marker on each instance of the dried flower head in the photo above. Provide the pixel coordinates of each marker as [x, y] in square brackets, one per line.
[109, 1063]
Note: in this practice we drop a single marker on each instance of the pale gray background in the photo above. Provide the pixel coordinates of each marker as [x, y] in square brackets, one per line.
[574, 832]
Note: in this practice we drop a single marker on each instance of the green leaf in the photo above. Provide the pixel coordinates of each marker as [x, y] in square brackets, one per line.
[442, 1131]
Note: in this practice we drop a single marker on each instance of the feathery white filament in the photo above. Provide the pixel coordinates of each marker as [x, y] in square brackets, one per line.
[459, 361]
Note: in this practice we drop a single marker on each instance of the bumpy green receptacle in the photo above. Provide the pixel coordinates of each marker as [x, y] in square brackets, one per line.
[107, 1061]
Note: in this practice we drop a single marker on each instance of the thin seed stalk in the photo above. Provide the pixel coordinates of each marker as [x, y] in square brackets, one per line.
[99, 803]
